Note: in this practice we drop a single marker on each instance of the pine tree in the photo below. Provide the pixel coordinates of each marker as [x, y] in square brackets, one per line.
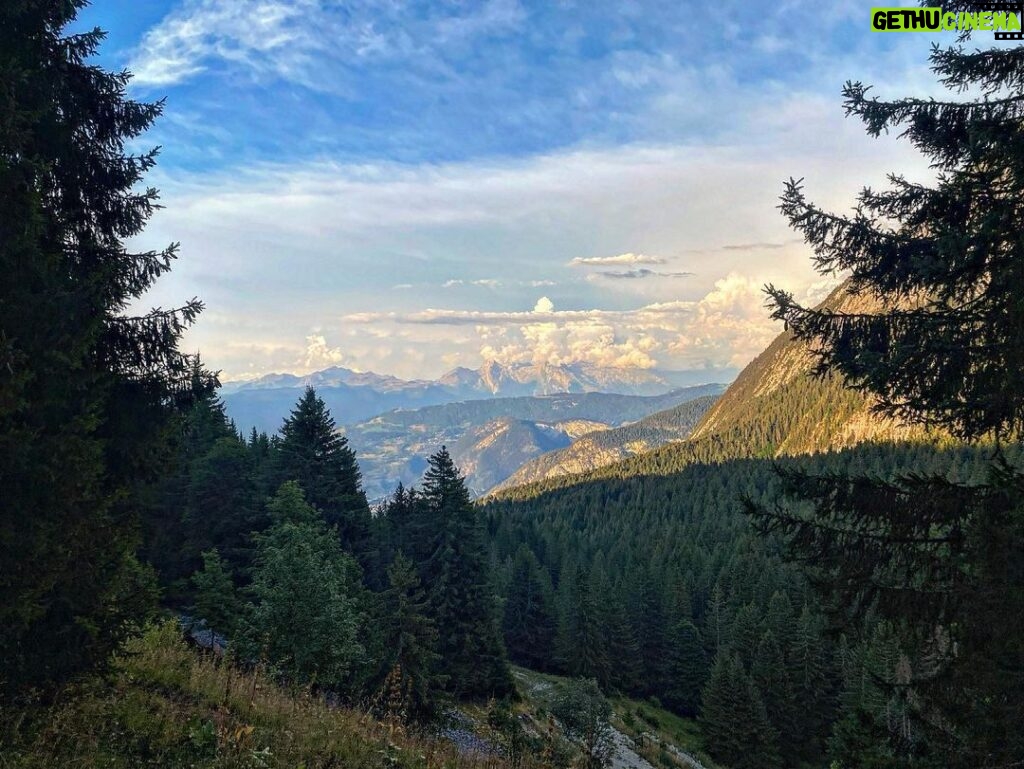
[306, 615]
[313, 453]
[462, 600]
[942, 273]
[412, 678]
[88, 392]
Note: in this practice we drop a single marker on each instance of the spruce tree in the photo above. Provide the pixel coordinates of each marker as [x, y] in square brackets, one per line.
[411, 679]
[784, 709]
[216, 601]
[221, 504]
[462, 600]
[688, 670]
[313, 453]
[621, 644]
[88, 391]
[941, 267]
[529, 623]
[734, 721]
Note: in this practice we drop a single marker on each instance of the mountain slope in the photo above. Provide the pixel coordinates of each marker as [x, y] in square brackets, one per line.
[488, 454]
[394, 447]
[776, 407]
[606, 447]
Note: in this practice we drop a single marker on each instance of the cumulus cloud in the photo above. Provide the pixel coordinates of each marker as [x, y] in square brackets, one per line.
[628, 258]
[725, 327]
[321, 355]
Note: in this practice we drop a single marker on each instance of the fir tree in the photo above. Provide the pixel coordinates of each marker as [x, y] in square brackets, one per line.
[412, 678]
[784, 710]
[221, 506]
[88, 392]
[621, 644]
[942, 268]
[461, 597]
[529, 623]
[688, 670]
[734, 721]
[216, 601]
[313, 453]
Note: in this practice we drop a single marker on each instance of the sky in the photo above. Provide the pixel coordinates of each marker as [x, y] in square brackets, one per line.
[405, 186]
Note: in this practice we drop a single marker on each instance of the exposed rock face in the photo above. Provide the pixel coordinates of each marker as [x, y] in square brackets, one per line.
[778, 407]
[606, 447]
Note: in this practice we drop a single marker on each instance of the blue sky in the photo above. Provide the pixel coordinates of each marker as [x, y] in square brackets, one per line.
[406, 186]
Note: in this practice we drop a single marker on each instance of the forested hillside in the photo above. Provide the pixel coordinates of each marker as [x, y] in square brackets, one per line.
[658, 586]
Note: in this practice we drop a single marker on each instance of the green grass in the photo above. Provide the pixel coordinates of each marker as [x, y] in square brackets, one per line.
[632, 717]
[164, 705]
[635, 717]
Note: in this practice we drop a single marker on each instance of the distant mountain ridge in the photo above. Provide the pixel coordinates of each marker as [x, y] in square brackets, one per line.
[355, 396]
[490, 439]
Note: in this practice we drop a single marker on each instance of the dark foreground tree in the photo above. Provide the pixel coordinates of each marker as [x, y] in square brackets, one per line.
[941, 268]
[87, 393]
[411, 679]
[462, 598]
[305, 619]
[313, 453]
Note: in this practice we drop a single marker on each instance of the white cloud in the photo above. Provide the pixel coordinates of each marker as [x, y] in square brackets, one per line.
[295, 40]
[628, 258]
[270, 247]
[724, 328]
[321, 355]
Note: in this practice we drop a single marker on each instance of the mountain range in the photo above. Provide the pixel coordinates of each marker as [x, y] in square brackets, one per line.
[355, 396]
[491, 439]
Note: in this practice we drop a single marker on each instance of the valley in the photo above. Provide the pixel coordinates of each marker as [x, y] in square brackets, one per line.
[491, 439]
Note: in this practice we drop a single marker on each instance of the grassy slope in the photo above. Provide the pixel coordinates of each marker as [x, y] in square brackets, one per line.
[659, 729]
[164, 705]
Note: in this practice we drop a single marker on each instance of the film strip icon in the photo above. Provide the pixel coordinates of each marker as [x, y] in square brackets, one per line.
[1001, 7]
